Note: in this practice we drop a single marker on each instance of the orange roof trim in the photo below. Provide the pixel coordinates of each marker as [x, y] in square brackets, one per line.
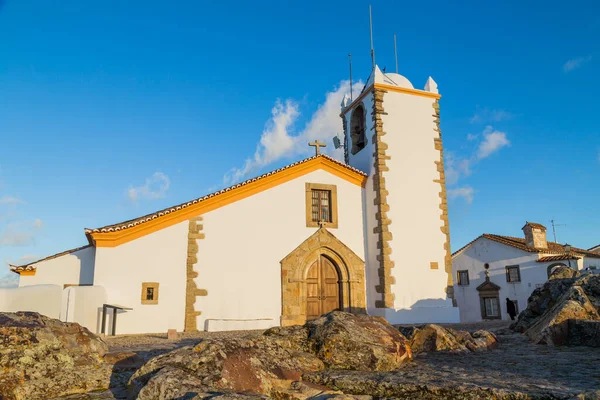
[117, 234]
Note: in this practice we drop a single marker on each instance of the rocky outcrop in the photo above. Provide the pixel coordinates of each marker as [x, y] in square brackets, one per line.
[540, 301]
[433, 338]
[553, 326]
[564, 273]
[583, 333]
[269, 364]
[41, 358]
[560, 311]
[357, 342]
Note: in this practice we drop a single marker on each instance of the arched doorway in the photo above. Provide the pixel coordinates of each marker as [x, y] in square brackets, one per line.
[552, 267]
[297, 273]
[323, 288]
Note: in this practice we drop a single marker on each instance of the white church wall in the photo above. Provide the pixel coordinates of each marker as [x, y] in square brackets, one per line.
[44, 299]
[498, 256]
[239, 258]
[157, 257]
[83, 304]
[76, 268]
[415, 211]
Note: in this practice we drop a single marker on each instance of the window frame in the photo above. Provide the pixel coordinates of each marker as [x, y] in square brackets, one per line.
[512, 267]
[355, 137]
[333, 208]
[459, 281]
[484, 308]
[145, 287]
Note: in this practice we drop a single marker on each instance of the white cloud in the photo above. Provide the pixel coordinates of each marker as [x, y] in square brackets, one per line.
[457, 167]
[10, 200]
[20, 233]
[465, 192]
[280, 140]
[10, 280]
[575, 63]
[483, 115]
[155, 187]
[492, 142]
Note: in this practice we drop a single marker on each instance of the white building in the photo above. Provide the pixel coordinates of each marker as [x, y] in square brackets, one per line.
[514, 266]
[290, 245]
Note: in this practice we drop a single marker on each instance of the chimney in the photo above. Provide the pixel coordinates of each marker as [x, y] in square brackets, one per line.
[535, 235]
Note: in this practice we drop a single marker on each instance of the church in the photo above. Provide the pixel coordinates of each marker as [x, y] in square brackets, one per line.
[367, 235]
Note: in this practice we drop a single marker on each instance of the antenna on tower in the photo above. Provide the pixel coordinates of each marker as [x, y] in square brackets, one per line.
[395, 53]
[350, 65]
[371, 30]
[554, 225]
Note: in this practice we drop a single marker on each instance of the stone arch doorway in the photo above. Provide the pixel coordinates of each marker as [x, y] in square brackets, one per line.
[299, 279]
[323, 287]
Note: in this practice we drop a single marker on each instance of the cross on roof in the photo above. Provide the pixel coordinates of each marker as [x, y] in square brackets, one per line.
[317, 145]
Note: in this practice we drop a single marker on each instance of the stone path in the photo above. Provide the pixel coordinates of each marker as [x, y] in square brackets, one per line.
[516, 367]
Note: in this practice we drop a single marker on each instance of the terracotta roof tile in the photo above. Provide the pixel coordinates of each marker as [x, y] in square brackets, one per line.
[136, 221]
[558, 258]
[520, 243]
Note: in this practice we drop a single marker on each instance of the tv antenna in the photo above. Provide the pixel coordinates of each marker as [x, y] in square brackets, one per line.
[554, 225]
[395, 53]
[350, 65]
[371, 32]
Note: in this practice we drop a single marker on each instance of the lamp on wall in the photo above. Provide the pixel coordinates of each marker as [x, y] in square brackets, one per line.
[567, 248]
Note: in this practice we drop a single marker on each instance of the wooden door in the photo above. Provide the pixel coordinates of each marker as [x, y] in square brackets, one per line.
[323, 288]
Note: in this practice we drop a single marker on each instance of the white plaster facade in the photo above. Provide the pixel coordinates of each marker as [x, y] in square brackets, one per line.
[73, 268]
[498, 256]
[242, 242]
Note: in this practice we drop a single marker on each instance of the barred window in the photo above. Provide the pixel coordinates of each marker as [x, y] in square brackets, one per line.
[513, 274]
[462, 277]
[321, 205]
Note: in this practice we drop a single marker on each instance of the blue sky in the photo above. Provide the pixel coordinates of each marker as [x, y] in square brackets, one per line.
[110, 110]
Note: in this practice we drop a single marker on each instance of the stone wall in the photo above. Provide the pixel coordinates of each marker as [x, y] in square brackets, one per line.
[386, 280]
[192, 291]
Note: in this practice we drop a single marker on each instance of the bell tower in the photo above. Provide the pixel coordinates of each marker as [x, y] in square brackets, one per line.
[392, 133]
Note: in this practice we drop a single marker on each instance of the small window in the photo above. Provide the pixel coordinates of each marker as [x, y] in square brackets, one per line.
[321, 205]
[462, 277]
[149, 293]
[491, 307]
[513, 274]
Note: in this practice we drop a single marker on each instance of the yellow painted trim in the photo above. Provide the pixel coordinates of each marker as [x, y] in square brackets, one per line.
[113, 239]
[27, 273]
[416, 92]
[390, 88]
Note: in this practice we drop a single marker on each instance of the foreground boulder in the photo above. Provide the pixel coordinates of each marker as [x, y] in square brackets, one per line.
[432, 338]
[357, 342]
[271, 363]
[553, 326]
[557, 313]
[42, 357]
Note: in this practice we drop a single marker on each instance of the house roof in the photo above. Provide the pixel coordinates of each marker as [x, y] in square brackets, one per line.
[595, 249]
[558, 257]
[30, 266]
[521, 244]
[116, 234]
